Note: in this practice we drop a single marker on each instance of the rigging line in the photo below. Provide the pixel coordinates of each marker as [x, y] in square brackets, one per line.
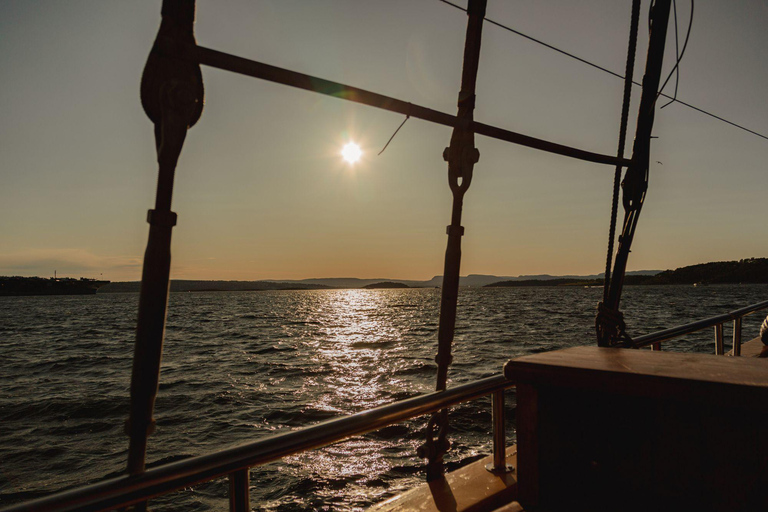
[539, 41]
[393, 135]
[606, 70]
[710, 114]
[629, 70]
[677, 55]
[677, 64]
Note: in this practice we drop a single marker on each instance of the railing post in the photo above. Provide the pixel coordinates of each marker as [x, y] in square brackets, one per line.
[719, 347]
[239, 492]
[737, 337]
[499, 464]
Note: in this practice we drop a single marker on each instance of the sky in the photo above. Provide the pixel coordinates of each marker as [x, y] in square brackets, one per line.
[263, 193]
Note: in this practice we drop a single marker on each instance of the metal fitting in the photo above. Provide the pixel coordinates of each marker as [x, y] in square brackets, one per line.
[470, 156]
[161, 218]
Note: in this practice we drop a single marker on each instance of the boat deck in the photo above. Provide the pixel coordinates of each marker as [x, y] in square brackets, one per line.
[471, 488]
[474, 489]
[752, 348]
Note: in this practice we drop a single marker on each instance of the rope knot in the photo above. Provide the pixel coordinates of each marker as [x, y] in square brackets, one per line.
[610, 325]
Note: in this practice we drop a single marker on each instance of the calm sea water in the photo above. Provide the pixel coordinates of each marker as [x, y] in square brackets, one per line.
[241, 365]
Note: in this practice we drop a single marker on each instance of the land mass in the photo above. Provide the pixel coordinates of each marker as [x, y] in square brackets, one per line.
[17, 286]
[179, 285]
[186, 285]
[384, 285]
[752, 270]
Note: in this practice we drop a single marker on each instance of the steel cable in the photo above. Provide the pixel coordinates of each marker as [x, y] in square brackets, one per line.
[612, 73]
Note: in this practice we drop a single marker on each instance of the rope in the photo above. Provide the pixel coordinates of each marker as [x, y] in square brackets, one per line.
[612, 322]
[606, 70]
[629, 70]
[393, 135]
[679, 58]
[635, 184]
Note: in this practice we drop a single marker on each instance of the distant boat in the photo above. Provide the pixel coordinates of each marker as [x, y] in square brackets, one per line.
[52, 286]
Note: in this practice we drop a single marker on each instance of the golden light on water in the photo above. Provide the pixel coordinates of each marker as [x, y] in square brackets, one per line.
[351, 152]
[357, 351]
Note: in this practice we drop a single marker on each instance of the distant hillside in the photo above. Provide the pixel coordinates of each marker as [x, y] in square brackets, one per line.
[178, 285]
[546, 282]
[474, 280]
[753, 270]
[385, 284]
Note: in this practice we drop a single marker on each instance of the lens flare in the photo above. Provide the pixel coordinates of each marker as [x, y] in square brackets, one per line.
[351, 152]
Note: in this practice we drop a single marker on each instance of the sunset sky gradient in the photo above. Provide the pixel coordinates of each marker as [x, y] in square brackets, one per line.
[263, 193]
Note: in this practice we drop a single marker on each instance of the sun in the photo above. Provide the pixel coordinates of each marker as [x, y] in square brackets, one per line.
[351, 152]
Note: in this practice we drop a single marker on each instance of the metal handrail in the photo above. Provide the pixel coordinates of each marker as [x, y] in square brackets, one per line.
[681, 330]
[127, 490]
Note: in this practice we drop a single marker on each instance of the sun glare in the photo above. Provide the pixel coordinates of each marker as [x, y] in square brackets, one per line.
[351, 152]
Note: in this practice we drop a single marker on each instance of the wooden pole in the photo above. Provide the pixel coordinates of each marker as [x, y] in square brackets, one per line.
[461, 156]
[172, 97]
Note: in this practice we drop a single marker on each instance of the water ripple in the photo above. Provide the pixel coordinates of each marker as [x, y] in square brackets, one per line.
[239, 366]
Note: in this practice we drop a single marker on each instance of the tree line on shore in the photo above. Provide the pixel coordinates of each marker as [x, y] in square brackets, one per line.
[752, 270]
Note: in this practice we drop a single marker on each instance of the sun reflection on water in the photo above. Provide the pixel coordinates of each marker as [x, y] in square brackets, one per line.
[354, 344]
[359, 344]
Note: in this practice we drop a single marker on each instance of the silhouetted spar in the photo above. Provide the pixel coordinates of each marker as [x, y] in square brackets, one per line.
[256, 69]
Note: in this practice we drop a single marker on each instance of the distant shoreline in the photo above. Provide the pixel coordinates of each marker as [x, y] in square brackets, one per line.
[544, 284]
[751, 271]
[16, 286]
[747, 271]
